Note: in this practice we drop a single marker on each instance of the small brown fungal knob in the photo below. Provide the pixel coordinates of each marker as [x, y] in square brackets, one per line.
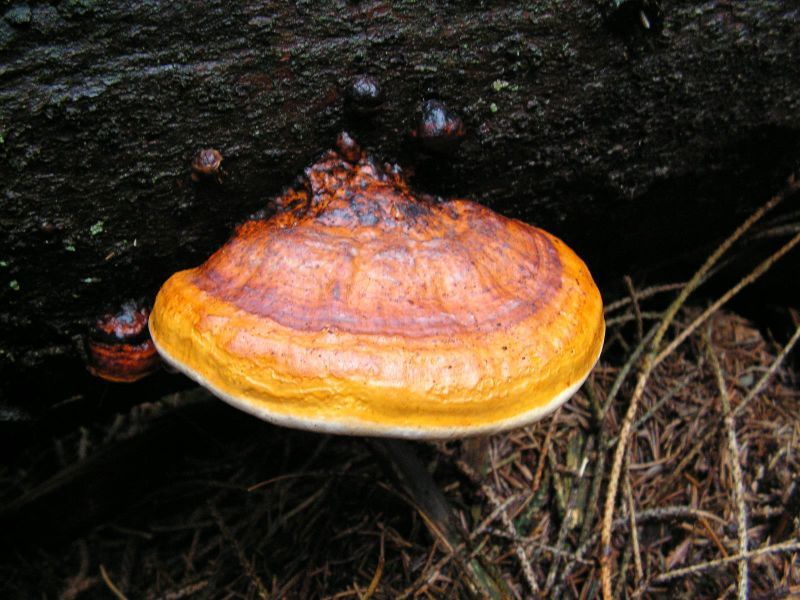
[207, 163]
[439, 128]
[119, 348]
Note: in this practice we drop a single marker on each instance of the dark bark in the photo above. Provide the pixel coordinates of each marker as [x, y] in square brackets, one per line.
[637, 146]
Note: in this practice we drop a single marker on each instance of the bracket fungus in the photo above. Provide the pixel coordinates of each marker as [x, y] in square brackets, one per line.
[361, 308]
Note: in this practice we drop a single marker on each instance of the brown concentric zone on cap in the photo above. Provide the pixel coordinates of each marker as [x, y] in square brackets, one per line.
[356, 252]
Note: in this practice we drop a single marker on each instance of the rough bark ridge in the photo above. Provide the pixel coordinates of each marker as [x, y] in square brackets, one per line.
[606, 122]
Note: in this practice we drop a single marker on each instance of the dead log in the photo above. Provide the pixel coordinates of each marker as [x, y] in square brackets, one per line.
[638, 131]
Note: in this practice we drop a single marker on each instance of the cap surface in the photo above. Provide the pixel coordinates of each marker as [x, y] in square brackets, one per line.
[361, 308]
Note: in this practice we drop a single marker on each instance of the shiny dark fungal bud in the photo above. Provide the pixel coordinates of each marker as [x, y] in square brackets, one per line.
[207, 163]
[439, 128]
[119, 347]
[364, 94]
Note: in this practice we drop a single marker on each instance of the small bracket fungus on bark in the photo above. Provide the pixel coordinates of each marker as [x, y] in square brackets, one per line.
[119, 348]
[363, 308]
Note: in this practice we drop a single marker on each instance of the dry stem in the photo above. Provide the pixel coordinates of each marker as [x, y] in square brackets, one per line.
[736, 468]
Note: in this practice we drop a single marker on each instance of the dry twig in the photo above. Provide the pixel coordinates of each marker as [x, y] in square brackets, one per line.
[110, 584]
[788, 546]
[736, 468]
